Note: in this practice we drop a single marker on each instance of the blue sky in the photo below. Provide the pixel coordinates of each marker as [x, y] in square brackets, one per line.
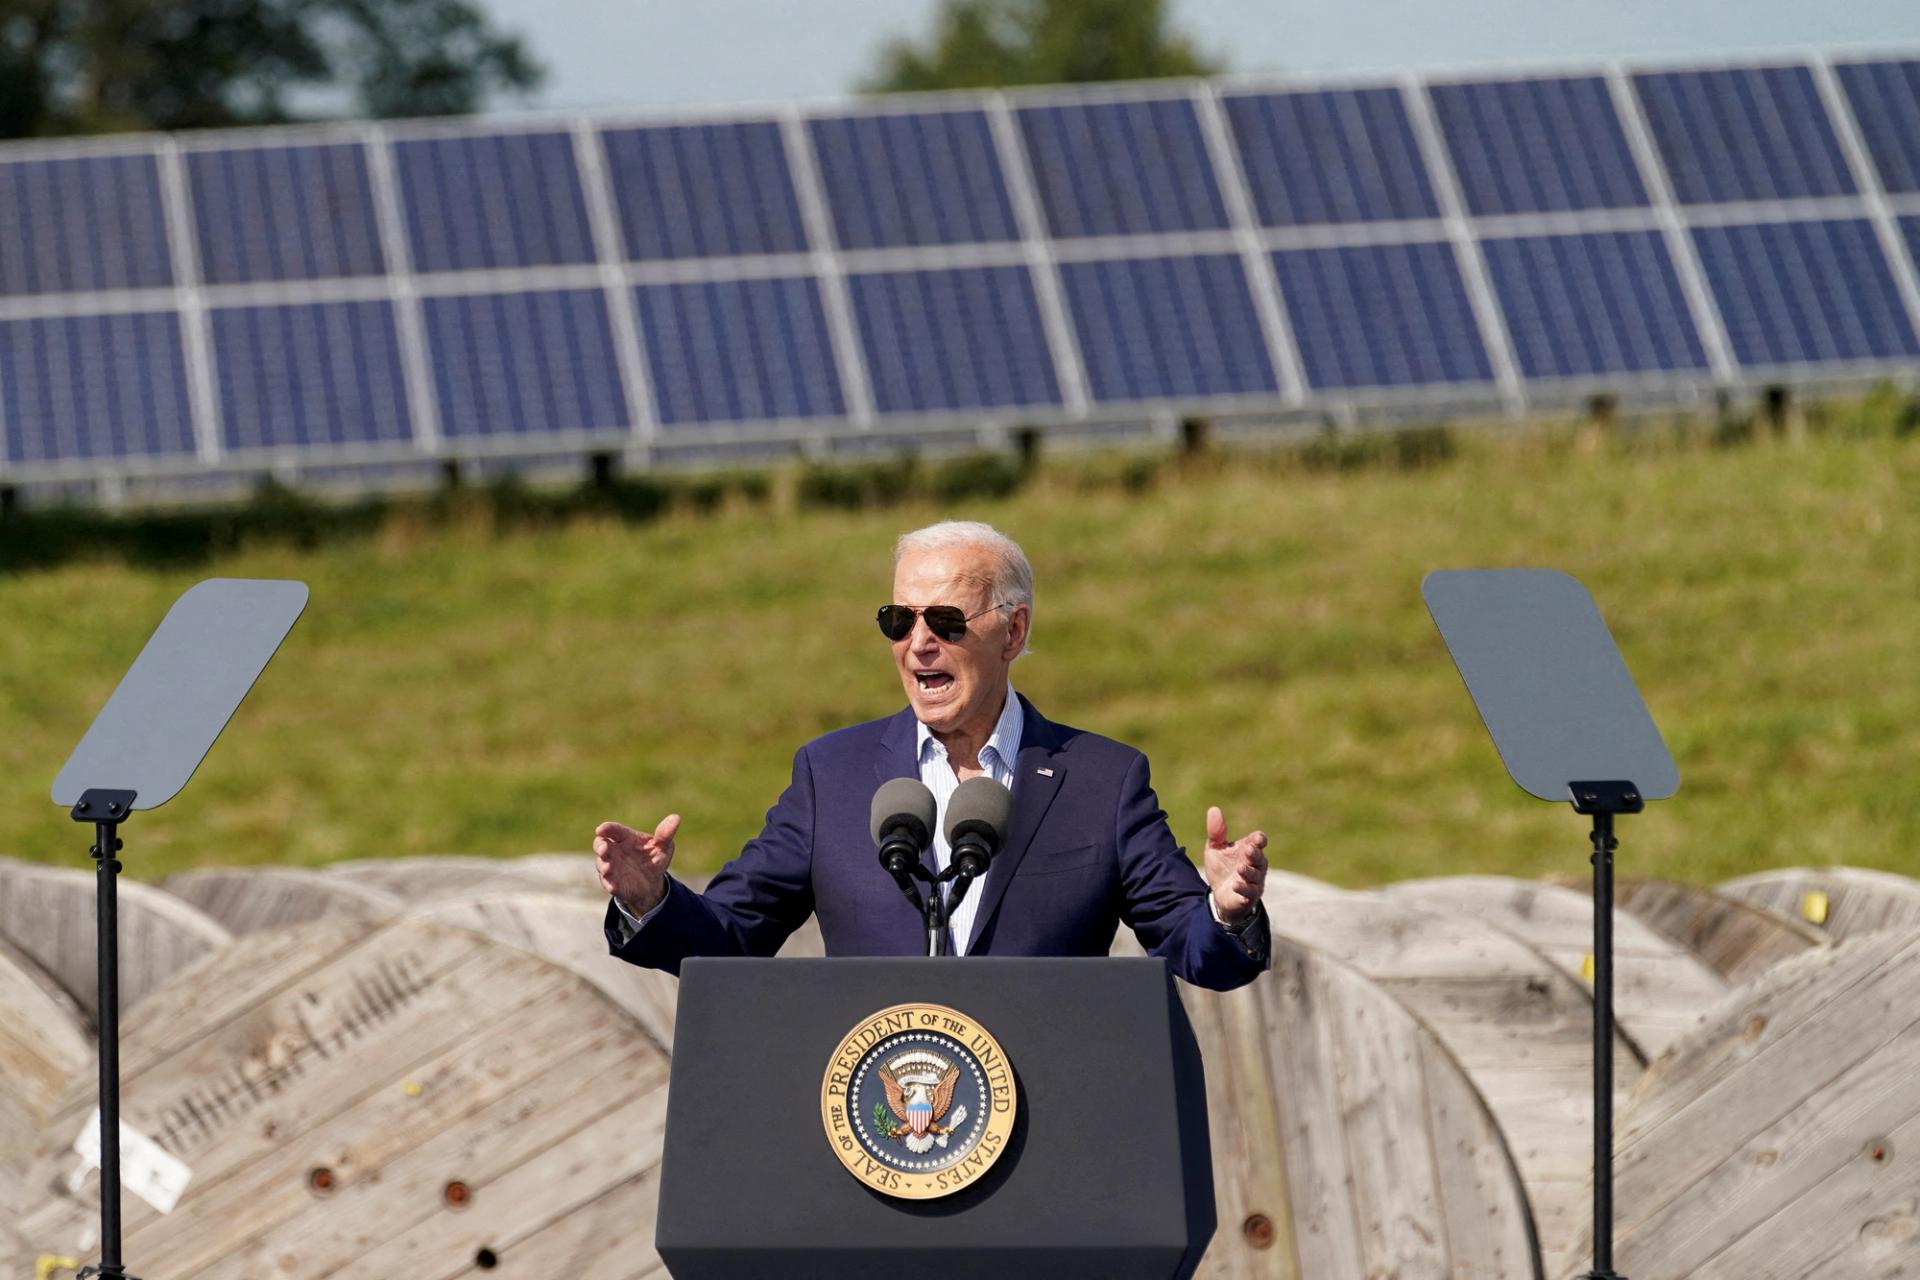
[648, 53]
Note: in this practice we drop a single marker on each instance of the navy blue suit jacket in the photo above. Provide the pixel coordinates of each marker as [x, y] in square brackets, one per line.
[1089, 848]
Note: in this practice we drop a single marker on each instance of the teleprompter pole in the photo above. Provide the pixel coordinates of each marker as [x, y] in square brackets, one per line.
[1603, 800]
[106, 810]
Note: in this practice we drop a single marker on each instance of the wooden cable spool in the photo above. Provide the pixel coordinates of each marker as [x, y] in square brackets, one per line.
[1347, 1139]
[48, 914]
[362, 1099]
[1839, 901]
[1520, 1027]
[248, 899]
[1735, 938]
[1660, 989]
[1780, 1138]
[425, 877]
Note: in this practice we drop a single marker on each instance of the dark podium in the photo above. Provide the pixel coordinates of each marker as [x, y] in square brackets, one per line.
[1107, 1171]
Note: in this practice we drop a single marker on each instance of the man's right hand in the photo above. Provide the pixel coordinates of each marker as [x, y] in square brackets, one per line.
[633, 864]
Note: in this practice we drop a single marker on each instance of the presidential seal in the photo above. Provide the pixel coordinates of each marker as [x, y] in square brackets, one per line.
[918, 1101]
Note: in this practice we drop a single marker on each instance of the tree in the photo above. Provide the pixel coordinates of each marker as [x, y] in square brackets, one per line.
[984, 43]
[93, 66]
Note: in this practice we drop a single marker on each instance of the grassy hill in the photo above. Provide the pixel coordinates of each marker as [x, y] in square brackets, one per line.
[1252, 621]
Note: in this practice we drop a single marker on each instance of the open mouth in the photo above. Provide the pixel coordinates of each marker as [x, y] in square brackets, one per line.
[933, 680]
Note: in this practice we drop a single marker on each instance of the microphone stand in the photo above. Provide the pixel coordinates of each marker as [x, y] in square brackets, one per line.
[937, 907]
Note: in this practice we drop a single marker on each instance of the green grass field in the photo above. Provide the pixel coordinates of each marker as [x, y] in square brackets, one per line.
[1253, 622]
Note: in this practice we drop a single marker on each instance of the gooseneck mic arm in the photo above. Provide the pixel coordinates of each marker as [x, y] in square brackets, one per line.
[902, 821]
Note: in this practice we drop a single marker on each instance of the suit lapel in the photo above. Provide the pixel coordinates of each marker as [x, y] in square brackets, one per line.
[899, 759]
[1036, 780]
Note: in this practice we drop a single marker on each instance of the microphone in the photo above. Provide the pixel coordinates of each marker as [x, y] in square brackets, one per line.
[977, 815]
[902, 823]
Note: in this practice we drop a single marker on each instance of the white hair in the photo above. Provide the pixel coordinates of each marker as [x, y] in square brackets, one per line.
[1012, 574]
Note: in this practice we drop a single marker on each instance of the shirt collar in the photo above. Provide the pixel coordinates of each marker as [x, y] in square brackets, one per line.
[1004, 741]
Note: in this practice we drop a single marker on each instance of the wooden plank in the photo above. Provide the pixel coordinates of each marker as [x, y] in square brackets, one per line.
[1795, 1003]
[567, 930]
[1490, 1230]
[1839, 901]
[1305, 1055]
[1384, 1102]
[610, 1238]
[249, 899]
[1660, 989]
[1736, 938]
[42, 1050]
[617, 1141]
[1771, 1141]
[47, 914]
[1249, 1172]
[1859, 1224]
[445, 875]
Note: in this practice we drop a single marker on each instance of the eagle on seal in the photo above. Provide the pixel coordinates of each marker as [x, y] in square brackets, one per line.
[920, 1103]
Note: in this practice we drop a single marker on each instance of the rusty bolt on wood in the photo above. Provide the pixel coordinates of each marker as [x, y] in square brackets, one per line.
[320, 1181]
[457, 1194]
[1258, 1231]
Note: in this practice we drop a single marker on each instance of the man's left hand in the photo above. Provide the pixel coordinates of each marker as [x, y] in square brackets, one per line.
[1237, 869]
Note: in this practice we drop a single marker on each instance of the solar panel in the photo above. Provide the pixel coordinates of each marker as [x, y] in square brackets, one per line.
[1594, 303]
[284, 213]
[872, 273]
[1805, 292]
[703, 191]
[1885, 97]
[1384, 315]
[967, 338]
[94, 387]
[927, 177]
[314, 376]
[524, 363]
[78, 225]
[1756, 133]
[1537, 146]
[1339, 155]
[739, 351]
[1122, 168]
[493, 200]
[1161, 328]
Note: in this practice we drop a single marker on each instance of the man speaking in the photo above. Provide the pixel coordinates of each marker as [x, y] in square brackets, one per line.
[1087, 846]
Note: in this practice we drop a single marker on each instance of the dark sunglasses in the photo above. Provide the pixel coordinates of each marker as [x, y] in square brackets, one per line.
[944, 620]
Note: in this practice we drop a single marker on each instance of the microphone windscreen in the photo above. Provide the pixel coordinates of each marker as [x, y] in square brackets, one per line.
[902, 799]
[980, 800]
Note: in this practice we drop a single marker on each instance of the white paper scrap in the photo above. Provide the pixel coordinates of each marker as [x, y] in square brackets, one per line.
[146, 1169]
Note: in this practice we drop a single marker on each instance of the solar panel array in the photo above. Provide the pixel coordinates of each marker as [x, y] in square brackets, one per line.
[898, 267]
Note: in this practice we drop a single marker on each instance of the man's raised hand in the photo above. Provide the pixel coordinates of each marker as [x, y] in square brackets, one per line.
[1236, 869]
[633, 864]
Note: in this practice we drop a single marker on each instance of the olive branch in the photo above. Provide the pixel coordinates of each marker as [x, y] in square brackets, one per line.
[883, 1121]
